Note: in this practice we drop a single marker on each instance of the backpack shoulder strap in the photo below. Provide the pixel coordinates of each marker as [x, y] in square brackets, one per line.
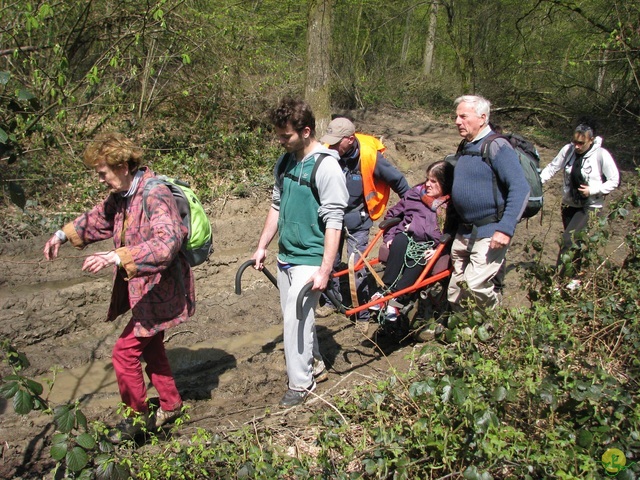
[280, 167]
[485, 153]
[314, 186]
[485, 150]
[151, 183]
[175, 187]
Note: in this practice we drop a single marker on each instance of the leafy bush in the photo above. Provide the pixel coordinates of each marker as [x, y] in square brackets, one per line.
[544, 397]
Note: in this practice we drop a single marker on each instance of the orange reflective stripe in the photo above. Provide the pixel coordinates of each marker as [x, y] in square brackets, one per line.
[376, 192]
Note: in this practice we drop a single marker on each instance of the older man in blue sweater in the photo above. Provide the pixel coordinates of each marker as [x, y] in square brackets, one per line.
[488, 215]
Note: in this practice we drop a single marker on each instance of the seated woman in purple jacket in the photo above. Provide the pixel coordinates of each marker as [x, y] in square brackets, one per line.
[412, 242]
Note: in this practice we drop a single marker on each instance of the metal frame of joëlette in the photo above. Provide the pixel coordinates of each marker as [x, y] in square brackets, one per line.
[419, 284]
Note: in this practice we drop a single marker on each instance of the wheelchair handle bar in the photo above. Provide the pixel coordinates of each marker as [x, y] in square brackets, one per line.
[389, 222]
[241, 270]
[305, 291]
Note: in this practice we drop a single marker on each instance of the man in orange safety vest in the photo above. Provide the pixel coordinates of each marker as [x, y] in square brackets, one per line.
[370, 178]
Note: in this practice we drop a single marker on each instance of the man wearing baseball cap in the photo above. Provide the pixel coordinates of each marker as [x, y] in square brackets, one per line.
[369, 177]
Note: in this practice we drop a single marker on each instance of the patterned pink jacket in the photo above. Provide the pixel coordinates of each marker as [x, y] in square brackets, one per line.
[153, 280]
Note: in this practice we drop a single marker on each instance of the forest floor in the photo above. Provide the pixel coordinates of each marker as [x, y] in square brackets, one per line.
[228, 359]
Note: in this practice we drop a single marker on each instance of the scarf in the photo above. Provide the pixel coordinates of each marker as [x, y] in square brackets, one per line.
[351, 159]
[134, 184]
[438, 205]
[576, 179]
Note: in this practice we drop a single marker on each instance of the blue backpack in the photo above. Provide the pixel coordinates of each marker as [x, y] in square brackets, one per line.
[529, 161]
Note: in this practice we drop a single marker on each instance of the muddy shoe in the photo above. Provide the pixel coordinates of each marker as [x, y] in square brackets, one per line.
[127, 429]
[292, 398]
[428, 332]
[320, 373]
[163, 417]
[325, 310]
[574, 284]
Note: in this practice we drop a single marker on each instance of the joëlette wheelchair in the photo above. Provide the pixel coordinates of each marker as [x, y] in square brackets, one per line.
[423, 302]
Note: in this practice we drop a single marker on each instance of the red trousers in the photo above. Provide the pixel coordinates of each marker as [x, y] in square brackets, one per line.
[126, 363]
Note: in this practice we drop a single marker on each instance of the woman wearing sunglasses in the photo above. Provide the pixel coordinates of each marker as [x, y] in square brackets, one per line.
[590, 173]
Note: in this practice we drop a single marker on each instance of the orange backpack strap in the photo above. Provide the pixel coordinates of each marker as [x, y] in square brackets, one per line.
[376, 192]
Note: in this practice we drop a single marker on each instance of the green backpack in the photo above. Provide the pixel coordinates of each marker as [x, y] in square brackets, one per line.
[199, 242]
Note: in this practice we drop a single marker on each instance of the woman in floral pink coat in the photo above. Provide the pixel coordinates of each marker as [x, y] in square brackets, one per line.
[151, 277]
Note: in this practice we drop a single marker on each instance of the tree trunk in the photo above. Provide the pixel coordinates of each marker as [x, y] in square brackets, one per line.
[318, 66]
[427, 63]
[407, 36]
[602, 71]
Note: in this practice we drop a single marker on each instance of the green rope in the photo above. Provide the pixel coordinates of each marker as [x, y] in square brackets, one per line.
[415, 252]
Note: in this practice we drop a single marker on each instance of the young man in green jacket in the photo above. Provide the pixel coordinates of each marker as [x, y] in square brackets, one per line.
[307, 210]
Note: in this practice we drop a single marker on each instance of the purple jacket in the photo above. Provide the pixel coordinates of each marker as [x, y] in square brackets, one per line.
[423, 222]
[151, 281]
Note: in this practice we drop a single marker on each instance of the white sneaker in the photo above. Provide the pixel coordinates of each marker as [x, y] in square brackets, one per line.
[391, 314]
[374, 297]
[574, 284]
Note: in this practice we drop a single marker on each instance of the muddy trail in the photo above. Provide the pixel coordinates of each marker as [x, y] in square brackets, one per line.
[228, 359]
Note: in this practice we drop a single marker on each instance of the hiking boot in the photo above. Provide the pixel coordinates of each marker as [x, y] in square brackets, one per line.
[362, 327]
[374, 297]
[292, 398]
[320, 373]
[128, 429]
[162, 417]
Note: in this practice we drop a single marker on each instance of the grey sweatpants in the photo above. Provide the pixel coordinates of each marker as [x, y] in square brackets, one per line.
[300, 339]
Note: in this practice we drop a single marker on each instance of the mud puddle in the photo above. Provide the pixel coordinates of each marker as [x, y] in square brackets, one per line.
[94, 384]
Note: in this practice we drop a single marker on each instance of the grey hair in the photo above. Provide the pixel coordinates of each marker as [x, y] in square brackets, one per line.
[585, 129]
[481, 105]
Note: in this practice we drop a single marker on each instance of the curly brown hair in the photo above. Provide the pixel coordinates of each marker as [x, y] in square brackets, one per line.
[296, 112]
[112, 149]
